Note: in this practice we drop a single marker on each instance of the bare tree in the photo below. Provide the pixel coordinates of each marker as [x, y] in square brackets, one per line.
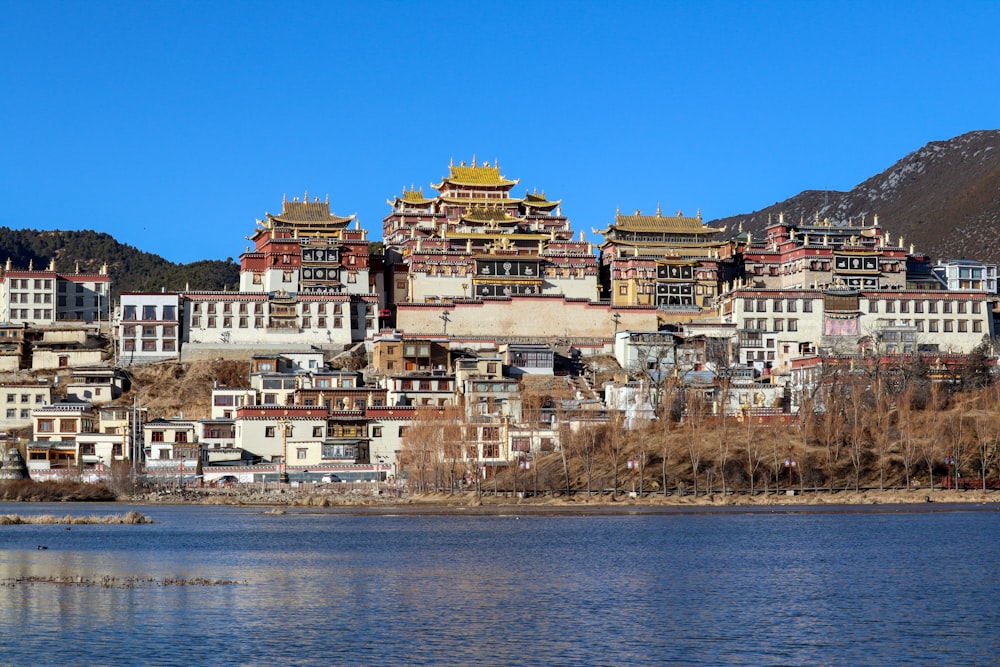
[614, 445]
[693, 425]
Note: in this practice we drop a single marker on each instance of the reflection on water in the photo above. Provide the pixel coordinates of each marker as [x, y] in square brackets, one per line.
[332, 588]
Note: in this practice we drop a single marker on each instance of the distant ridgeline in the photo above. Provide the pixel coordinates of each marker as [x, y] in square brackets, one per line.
[131, 269]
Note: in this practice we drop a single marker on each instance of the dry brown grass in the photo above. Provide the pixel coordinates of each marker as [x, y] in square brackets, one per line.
[50, 519]
[26, 490]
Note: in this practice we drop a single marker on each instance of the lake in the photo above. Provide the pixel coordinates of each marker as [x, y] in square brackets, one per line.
[763, 586]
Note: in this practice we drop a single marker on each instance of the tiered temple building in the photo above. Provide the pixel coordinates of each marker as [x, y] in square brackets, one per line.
[670, 262]
[474, 239]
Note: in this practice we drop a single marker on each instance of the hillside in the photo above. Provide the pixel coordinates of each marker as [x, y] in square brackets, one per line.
[131, 269]
[172, 389]
[944, 198]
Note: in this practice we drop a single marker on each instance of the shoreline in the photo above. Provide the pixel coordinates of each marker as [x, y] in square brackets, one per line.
[467, 503]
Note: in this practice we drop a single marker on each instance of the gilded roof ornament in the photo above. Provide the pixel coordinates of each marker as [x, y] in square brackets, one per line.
[659, 213]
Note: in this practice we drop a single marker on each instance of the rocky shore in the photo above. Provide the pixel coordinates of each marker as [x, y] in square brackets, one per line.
[252, 495]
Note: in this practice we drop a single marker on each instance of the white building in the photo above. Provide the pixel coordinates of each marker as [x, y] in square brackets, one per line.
[965, 275]
[148, 327]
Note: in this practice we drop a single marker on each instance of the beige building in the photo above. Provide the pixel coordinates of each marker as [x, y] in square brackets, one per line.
[18, 401]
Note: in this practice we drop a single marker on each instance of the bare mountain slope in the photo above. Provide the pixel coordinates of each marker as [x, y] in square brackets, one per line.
[944, 198]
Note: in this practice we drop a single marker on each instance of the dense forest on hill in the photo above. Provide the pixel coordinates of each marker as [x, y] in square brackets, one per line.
[131, 269]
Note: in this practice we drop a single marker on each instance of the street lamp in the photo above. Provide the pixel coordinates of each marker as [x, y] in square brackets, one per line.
[633, 465]
[790, 466]
[283, 471]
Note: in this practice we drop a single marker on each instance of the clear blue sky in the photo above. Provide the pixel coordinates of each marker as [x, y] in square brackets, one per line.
[174, 125]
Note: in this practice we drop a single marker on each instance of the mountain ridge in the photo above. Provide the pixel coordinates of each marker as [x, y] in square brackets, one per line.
[943, 197]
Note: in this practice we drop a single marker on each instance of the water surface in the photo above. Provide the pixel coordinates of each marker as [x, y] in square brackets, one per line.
[317, 587]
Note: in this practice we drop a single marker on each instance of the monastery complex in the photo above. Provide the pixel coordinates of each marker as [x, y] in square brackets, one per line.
[476, 286]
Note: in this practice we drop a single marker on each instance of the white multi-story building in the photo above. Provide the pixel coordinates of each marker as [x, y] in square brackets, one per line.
[148, 327]
[842, 319]
[966, 275]
[46, 298]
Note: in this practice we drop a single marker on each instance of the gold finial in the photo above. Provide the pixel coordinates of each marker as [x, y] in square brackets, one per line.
[699, 213]
[31, 265]
[451, 162]
[305, 197]
[658, 211]
[618, 212]
[473, 159]
[284, 198]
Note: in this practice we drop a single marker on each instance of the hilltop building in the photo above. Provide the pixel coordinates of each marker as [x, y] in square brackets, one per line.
[308, 281]
[670, 262]
[474, 239]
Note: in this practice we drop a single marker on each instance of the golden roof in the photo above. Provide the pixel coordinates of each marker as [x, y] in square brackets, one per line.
[677, 224]
[414, 196]
[298, 213]
[488, 214]
[475, 174]
[537, 200]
